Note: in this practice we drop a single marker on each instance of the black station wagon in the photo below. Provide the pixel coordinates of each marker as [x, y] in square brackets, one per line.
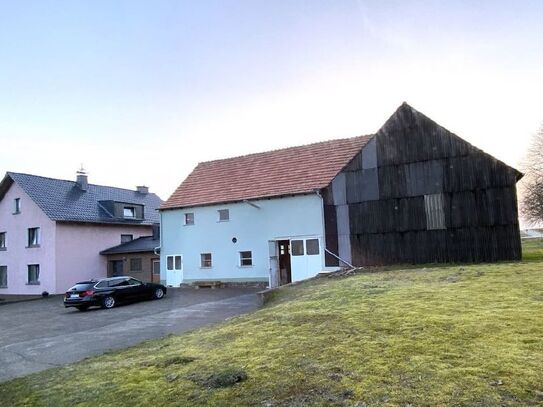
[108, 292]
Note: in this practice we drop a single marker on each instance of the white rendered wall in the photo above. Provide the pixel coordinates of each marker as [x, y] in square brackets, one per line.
[277, 219]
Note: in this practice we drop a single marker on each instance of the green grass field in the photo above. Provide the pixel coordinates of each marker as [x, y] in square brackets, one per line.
[459, 335]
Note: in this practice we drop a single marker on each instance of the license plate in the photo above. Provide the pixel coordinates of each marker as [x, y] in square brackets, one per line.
[74, 296]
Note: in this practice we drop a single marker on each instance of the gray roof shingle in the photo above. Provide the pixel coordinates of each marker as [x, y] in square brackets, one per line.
[141, 244]
[63, 200]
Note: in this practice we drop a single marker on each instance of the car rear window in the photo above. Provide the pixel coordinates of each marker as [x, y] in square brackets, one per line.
[82, 287]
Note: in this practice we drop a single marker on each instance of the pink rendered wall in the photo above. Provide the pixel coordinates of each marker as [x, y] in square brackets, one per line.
[17, 257]
[78, 250]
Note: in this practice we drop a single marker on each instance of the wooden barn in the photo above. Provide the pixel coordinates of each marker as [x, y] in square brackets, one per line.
[411, 193]
[417, 193]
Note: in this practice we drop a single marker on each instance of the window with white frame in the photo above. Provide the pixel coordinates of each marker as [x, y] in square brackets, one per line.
[246, 259]
[33, 237]
[312, 247]
[224, 215]
[129, 212]
[3, 276]
[205, 260]
[3, 241]
[297, 247]
[174, 263]
[17, 205]
[33, 274]
[189, 218]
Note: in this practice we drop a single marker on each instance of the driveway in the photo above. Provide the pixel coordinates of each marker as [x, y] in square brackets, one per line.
[41, 334]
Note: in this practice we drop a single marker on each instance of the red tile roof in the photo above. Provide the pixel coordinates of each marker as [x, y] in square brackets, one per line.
[289, 171]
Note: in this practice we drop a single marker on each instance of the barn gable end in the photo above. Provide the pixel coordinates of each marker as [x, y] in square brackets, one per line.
[418, 193]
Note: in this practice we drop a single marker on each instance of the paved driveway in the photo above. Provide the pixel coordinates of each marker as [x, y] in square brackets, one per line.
[41, 334]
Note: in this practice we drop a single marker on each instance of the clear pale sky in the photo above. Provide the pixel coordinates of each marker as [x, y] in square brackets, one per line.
[140, 91]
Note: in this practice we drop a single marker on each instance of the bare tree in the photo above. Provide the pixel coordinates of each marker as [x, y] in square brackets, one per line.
[532, 199]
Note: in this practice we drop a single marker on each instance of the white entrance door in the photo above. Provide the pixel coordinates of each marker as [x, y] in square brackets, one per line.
[174, 270]
[305, 257]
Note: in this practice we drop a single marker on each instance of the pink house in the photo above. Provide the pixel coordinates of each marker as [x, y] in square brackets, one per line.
[52, 231]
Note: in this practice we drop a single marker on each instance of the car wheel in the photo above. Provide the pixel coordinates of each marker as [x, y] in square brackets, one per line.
[159, 293]
[108, 302]
[83, 308]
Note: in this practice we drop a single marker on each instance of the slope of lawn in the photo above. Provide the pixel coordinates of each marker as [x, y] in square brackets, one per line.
[457, 335]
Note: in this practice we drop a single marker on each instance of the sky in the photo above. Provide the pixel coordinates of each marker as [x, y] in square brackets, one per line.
[139, 92]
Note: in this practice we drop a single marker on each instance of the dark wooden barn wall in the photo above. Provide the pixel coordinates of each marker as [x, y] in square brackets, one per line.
[387, 215]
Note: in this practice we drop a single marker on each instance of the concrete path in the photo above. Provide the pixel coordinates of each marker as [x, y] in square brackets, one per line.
[38, 335]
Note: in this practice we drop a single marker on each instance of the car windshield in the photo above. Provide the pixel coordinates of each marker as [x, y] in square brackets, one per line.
[82, 287]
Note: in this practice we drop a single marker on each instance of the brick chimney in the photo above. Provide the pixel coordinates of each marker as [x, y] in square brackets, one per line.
[142, 189]
[82, 180]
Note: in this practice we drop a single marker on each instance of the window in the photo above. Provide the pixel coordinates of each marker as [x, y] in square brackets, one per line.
[297, 247]
[102, 284]
[33, 237]
[156, 267]
[33, 274]
[17, 205]
[126, 238]
[129, 212]
[3, 276]
[3, 241]
[246, 259]
[205, 260]
[133, 281]
[118, 282]
[189, 218]
[135, 264]
[435, 213]
[312, 246]
[173, 263]
[224, 215]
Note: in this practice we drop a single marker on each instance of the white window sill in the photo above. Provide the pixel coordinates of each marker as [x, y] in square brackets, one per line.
[246, 267]
[36, 283]
[188, 224]
[206, 268]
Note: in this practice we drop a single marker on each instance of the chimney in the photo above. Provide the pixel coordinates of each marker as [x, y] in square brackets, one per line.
[82, 179]
[142, 189]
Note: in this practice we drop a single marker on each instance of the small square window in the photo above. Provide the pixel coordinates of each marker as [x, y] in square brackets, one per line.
[3, 276]
[435, 211]
[129, 212]
[126, 238]
[17, 205]
[224, 215]
[189, 218]
[33, 237]
[312, 246]
[33, 274]
[135, 264]
[2, 240]
[246, 258]
[297, 247]
[205, 260]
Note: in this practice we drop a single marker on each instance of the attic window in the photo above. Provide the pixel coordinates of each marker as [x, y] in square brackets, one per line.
[16, 206]
[189, 218]
[224, 215]
[129, 212]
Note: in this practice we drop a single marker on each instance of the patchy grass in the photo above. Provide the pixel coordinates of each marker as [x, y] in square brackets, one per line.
[458, 335]
[532, 250]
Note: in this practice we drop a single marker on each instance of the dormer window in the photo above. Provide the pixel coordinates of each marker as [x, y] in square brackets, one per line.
[129, 212]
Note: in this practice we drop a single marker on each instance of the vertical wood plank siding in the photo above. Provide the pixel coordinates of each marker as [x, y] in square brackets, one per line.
[387, 211]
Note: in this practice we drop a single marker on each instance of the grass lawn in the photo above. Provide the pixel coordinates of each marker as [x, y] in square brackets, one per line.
[457, 335]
